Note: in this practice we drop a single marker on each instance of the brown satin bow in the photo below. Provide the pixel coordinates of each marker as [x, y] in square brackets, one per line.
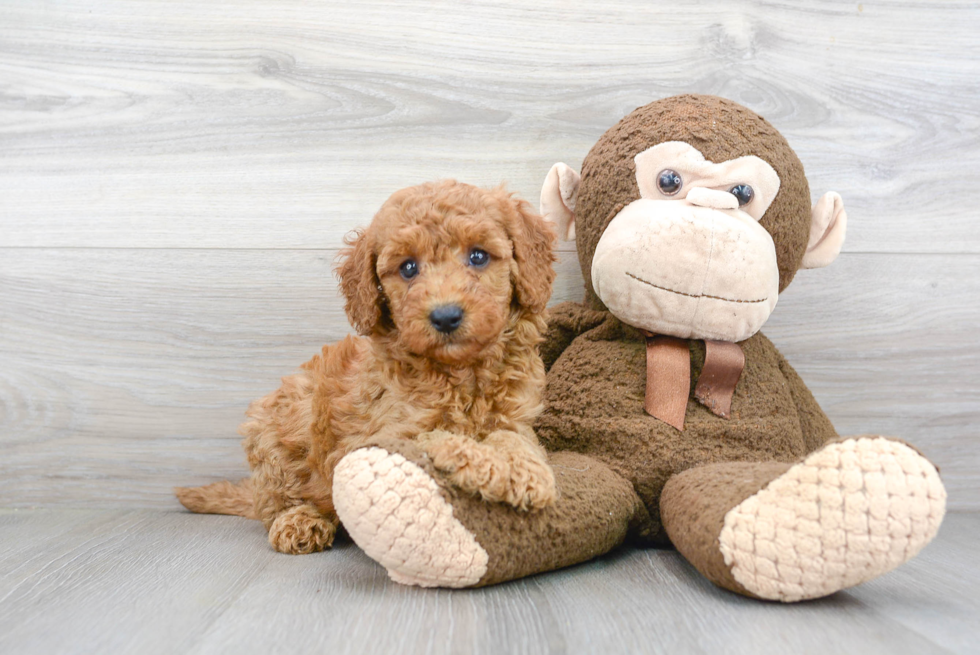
[669, 377]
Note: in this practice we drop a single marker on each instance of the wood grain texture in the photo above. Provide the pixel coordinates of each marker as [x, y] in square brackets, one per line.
[151, 582]
[124, 374]
[175, 178]
[284, 124]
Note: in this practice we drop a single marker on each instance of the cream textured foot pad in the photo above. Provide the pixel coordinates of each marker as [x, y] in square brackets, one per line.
[846, 514]
[393, 510]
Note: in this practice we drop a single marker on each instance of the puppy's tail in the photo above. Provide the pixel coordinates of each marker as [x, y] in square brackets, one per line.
[223, 497]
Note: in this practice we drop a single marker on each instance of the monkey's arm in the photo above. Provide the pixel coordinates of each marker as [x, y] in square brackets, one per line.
[566, 321]
[817, 428]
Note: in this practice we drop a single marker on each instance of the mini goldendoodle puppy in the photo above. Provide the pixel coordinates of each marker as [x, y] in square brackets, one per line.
[448, 285]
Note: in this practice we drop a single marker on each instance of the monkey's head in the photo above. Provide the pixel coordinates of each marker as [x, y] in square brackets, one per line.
[690, 217]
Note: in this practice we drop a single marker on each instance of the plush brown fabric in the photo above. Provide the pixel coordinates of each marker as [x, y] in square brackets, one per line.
[566, 321]
[591, 516]
[817, 429]
[594, 405]
[693, 507]
[721, 130]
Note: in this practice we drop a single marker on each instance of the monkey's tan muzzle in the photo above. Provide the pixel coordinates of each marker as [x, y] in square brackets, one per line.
[696, 268]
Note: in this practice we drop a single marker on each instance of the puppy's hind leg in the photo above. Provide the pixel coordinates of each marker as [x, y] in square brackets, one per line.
[298, 523]
[301, 530]
[290, 499]
[299, 519]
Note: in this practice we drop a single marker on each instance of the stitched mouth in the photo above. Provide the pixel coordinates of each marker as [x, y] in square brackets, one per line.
[692, 295]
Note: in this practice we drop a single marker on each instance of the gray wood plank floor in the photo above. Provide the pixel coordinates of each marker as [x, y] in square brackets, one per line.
[149, 581]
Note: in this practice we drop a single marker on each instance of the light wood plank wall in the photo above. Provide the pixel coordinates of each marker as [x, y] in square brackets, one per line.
[175, 178]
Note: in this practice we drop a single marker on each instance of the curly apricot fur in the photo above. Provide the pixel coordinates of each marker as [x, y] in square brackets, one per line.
[473, 393]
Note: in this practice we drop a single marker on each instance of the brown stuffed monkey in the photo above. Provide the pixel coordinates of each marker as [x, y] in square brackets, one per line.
[670, 418]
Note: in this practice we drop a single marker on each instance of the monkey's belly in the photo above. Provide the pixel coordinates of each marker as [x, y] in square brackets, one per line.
[594, 405]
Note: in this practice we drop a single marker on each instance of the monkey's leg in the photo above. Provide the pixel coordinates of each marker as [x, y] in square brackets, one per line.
[848, 512]
[406, 516]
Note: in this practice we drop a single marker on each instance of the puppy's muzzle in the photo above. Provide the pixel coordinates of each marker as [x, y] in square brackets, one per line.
[447, 318]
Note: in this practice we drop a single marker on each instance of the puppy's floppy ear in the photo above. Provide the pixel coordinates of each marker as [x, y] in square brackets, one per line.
[534, 251]
[359, 281]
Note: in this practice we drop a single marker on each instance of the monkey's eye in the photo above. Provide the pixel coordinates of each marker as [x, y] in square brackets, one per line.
[743, 193]
[409, 269]
[669, 182]
[479, 258]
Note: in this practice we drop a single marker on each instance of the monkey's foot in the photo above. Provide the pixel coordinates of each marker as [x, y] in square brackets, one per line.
[394, 511]
[847, 513]
[407, 516]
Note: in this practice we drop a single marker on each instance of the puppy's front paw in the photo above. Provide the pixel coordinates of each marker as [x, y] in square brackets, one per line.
[471, 466]
[533, 483]
[495, 471]
[448, 451]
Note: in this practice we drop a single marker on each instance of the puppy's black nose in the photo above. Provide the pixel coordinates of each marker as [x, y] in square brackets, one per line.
[446, 318]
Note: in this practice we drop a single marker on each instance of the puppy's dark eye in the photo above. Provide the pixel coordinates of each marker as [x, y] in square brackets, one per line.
[479, 258]
[743, 193]
[409, 269]
[669, 182]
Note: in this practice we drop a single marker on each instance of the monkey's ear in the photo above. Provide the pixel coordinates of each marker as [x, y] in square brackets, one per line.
[828, 224]
[359, 282]
[558, 199]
